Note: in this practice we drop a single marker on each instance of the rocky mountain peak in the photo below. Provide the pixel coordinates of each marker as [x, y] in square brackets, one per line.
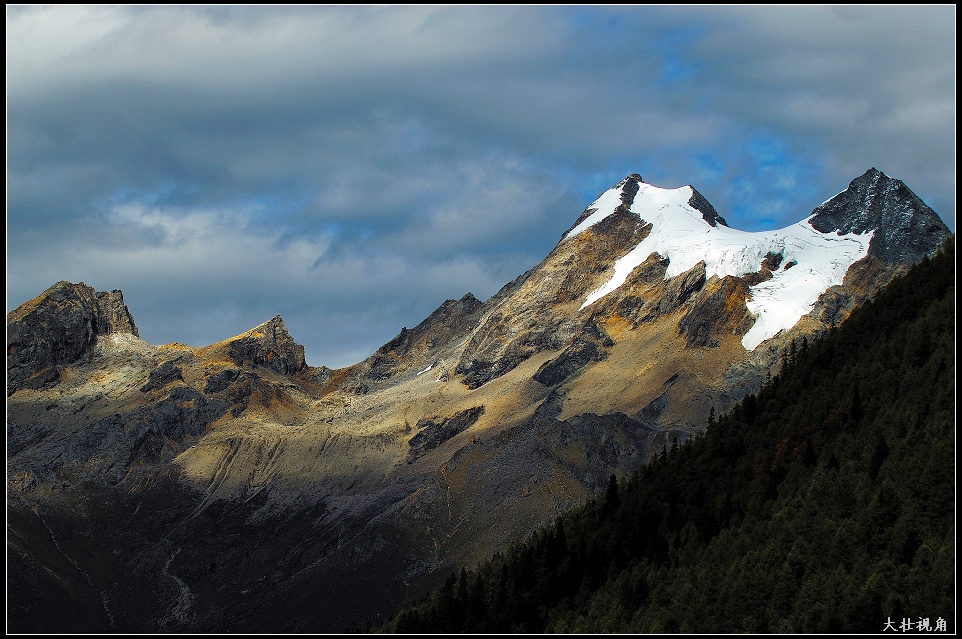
[633, 198]
[57, 328]
[487, 417]
[114, 315]
[703, 206]
[614, 202]
[269, 345]
[418, 347]
[905, 228]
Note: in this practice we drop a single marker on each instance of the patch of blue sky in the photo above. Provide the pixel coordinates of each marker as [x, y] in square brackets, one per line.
[674, 70]
[597, 183]
[165, 193]
[708, 170]
[613, 21]
[774, 186]
[279, 206]
[171, 199]
[673, 47]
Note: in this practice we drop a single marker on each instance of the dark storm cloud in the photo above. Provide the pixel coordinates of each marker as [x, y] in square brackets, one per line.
[352, 167]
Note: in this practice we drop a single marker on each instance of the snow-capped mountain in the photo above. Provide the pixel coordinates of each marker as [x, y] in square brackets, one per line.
[232, 487]
[811, 261]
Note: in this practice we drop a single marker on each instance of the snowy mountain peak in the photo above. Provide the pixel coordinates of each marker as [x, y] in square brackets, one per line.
[635, 195]
[686, 230]
[617, 198]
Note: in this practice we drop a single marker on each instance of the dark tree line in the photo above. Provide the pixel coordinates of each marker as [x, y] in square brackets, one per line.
[823, 503]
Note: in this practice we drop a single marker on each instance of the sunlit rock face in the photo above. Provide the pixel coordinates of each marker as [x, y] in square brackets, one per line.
[58, 328]
[234, 488]
[905, 228]
[269, 345]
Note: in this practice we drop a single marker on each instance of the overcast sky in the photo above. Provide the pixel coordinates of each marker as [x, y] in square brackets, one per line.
[351, 167]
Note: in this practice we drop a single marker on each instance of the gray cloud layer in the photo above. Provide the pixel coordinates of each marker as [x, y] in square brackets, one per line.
[352, 167]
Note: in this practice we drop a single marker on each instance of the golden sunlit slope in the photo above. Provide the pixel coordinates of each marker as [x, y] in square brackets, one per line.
[233, 486]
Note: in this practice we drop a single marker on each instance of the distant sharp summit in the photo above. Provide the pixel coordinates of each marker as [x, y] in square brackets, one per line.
[58, 328]
[905, 228]
[166, 488]
[268, 345]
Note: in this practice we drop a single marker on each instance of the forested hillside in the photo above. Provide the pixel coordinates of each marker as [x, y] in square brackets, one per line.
[823, 503]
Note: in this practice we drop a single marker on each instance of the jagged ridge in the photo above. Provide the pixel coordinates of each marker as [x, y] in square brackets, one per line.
[57, 328]
[533, 400]
[905, 227]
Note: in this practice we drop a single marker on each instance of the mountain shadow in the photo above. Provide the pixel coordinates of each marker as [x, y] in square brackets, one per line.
[823, 503]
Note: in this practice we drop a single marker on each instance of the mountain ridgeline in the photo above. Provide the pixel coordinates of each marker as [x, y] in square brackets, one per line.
[823, 503]
[234, 488]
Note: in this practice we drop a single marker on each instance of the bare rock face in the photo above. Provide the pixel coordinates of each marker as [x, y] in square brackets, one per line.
[905, 227]
[862, 281]
[708, 212]
[629, 188]
[162, 376]
[416, 347]
[679, 289]
[271, 346]
[433, 432]
[718, 310]
[113, 315]
[587, 346]
[57, 328]
[122, 446]
[540, 311]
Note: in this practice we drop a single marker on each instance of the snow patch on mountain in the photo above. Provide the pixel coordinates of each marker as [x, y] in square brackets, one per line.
[680, 234]
[604, 206]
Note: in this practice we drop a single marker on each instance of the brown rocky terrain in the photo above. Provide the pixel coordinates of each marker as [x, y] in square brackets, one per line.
[234, 488]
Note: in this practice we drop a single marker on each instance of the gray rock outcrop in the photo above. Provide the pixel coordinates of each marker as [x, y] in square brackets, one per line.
[905, 227]
[271, 346]
[57, 328]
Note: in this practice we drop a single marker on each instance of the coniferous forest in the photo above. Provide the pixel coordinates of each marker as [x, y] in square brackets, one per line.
[825, 502]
